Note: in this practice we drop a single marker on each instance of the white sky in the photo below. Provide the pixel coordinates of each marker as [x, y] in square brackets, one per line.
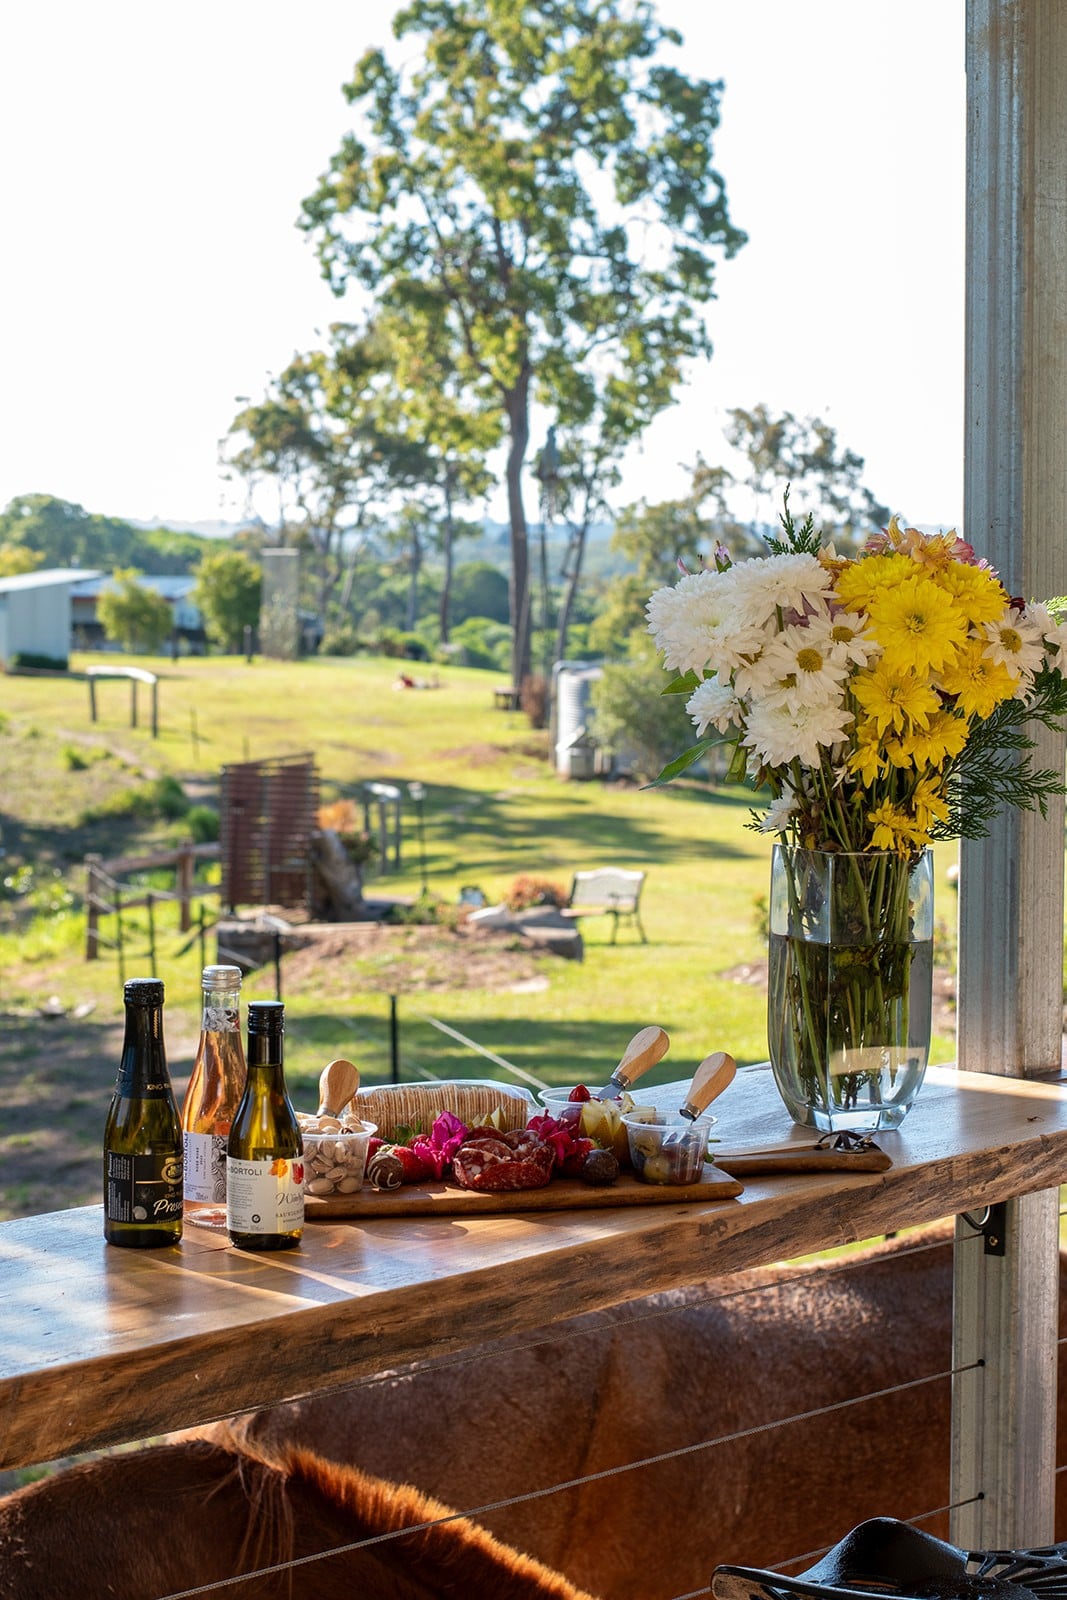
[155, 158]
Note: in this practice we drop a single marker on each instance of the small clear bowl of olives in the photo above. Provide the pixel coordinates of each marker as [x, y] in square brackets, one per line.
[666, 1147]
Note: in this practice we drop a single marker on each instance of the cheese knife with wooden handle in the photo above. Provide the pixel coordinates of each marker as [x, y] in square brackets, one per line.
[338, 1082]
[714, 1074]
[642, 1052]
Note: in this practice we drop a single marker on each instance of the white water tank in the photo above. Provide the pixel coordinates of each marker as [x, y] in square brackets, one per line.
[574, 745]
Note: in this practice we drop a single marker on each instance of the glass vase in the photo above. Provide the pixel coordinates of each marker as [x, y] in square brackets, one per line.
[850, 983]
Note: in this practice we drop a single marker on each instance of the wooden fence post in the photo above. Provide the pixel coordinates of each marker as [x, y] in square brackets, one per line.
[183, 883]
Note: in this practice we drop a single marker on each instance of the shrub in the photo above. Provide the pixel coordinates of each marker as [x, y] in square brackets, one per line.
[75, 759]
[340, 639]
[202, 824]
[528, 891]
[481, 642]
[30, 661]
[162, 797]
[632, 716]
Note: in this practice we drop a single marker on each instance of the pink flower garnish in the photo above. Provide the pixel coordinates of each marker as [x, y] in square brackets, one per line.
[438, 1146]
[569, 1148]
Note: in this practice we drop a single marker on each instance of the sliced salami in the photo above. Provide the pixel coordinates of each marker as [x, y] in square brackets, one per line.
[493, 1161]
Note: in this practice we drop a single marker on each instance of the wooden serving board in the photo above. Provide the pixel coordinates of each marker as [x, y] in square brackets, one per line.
[562, 1194]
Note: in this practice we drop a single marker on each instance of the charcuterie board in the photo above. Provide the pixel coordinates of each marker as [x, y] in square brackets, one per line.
[562, 1194]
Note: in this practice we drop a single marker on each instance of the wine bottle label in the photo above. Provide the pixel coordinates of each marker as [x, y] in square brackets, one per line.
[133, 1087]
[143, 1188]
[205, 1167]
[264, 1196]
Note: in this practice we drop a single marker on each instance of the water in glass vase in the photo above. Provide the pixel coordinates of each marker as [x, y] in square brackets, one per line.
[849, 987]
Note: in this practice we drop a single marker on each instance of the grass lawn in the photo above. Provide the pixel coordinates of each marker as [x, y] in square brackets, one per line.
[494, 810]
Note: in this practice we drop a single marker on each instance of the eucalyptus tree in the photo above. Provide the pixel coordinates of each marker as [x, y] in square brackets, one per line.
[450, 427]
[825, 478]
[538, 182]
[316, 438]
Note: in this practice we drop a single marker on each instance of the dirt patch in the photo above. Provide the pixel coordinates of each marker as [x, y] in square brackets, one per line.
[399, 960]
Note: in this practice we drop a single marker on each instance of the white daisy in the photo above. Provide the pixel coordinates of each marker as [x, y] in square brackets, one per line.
[767, 584]
[1015, 641]
[1054, 633]
[850, 639]
[779, 734]
[801, 666]
[713, 705]
[776, 817]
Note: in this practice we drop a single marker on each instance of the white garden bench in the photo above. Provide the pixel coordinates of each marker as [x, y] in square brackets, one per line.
[607, 892]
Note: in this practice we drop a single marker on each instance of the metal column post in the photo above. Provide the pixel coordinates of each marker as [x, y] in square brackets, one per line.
[1011, 885]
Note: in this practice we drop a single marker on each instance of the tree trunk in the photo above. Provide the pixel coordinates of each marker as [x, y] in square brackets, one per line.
[338, 887]
[413, 583]
[517, 402]
[445, 604]
[576, 555]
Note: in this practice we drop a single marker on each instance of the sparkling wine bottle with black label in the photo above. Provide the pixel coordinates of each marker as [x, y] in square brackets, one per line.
[143, 1136]
[214, 1093]
[264, 1154]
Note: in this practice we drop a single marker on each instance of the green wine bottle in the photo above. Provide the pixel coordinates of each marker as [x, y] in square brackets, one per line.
[264, 1165]
[143, 1136]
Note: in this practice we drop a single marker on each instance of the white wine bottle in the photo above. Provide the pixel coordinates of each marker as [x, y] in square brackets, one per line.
[214, 1093]
[264, 1165]
[143, 1136]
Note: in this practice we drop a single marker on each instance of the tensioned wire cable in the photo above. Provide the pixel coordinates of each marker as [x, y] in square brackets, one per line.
[573, 1483]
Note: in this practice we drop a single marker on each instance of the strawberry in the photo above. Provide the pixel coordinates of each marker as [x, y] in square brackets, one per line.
[413, 1168]
[580, 1093]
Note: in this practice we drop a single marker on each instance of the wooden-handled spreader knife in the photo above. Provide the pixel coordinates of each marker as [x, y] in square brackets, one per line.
[642, 1052]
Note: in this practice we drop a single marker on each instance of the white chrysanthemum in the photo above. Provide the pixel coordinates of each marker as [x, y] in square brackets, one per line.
[799, 666]
[850, 639]
[695, 624]
[779, 734]
[766, 584]
[1016, 641]
[713, 705]
[777, 815]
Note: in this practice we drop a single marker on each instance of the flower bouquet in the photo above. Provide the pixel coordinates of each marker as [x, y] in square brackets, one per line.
[881, 702]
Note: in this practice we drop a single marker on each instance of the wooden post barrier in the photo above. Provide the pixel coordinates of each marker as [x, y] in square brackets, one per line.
[183, 883]
[135, 675]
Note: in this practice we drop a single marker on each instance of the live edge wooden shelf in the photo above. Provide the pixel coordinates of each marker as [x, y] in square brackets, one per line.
[102, 1345]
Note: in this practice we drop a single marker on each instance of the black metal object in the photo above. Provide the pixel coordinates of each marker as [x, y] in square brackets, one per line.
[394, 1041]
[896, 1561]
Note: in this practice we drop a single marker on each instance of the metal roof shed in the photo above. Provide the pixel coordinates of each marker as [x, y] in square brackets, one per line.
[35, 613]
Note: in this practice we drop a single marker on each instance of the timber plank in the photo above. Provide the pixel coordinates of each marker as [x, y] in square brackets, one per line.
[103, 1345]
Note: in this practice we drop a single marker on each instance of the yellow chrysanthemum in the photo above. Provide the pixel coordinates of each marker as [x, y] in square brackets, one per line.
[978, 684]
[897, 753]
[941, 740]
[894, 701]
[866, 759]
[918, 625]
[893, 829]
[977, 591]
[861, 580]
[928, 803]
